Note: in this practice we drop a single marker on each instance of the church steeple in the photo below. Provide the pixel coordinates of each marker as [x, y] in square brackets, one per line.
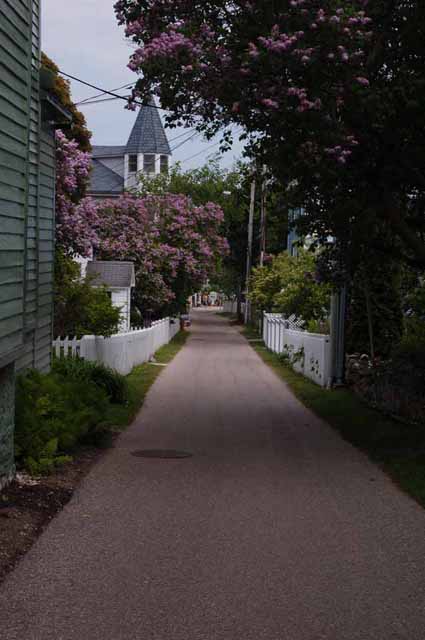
[148, 135]
[147, 149]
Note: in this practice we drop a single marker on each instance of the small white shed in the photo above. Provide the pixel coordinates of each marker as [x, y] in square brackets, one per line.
[119, 279]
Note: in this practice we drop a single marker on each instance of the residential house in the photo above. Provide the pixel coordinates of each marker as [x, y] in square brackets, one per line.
[28, 116]
[115, 168]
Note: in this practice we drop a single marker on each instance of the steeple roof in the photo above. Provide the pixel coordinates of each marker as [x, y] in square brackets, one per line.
[148, 135]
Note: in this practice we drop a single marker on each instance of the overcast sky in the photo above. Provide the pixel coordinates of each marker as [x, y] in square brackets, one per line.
[83, 38]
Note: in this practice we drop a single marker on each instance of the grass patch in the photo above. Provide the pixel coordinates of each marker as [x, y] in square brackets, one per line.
[140, 381]
[397, 447]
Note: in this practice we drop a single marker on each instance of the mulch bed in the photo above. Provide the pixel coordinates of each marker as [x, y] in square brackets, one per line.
[28, 504]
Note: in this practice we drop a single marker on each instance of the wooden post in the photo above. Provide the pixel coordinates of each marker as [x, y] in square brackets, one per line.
[263, 218]
[338, 307]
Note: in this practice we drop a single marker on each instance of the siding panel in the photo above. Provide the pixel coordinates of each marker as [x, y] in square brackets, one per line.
[27, 160]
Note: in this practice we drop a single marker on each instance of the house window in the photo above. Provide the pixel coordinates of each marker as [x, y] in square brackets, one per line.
[132, 164]
[164, 164]
[149, 163]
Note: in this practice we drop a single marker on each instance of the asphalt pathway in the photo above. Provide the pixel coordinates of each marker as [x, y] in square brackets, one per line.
[275, 529]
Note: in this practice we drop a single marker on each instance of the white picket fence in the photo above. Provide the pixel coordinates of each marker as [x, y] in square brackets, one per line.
[124, 351]
[311, 353]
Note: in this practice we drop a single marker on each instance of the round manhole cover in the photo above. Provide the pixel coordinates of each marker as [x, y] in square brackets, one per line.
[164, 454]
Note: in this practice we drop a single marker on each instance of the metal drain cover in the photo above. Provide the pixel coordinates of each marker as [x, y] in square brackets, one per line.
[164, 454]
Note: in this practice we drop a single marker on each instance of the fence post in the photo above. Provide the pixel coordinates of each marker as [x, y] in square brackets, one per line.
[276, 332]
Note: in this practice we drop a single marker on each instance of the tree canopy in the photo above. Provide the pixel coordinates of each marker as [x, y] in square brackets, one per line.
[230, 189]
[329, 92]
[288, 285]
[175, 245]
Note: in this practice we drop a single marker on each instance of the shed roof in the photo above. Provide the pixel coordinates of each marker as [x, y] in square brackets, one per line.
[113, 275]
[148, 135]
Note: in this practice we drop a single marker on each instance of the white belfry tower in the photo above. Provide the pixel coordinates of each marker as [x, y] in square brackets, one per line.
[147, 149]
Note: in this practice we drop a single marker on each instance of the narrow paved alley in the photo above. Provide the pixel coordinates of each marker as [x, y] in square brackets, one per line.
[274, 529]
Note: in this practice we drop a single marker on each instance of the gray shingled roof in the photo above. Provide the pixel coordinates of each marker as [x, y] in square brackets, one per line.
[148, 135]
[104, 180]
[110, 274]
[100, 151]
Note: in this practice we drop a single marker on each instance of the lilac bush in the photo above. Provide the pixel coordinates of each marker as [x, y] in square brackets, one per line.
[174, 244]
[76, 219]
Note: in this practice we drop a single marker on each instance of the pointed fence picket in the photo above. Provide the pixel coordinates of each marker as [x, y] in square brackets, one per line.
[66, 347]
[310, 353]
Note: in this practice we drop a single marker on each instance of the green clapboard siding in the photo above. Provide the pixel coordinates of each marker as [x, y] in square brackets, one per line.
[27, 175]
[15, 78]
[27, 187]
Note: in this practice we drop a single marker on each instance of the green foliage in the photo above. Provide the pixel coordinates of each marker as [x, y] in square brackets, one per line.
[287, 285]
[230, 189]
[291, 356]
[54, 414]
[319, 326]
[414, 330]
[407, 362]
[375, 318]
[415, 301]
[78, 402]
[112, 383]
[81, 309]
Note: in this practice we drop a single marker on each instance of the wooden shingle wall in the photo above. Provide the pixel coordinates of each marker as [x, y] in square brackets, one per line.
[27, 173]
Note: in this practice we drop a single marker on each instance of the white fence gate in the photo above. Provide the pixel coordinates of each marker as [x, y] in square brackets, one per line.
[310, 353]
[122, 351]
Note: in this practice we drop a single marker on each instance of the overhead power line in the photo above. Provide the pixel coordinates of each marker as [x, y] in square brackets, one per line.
[211, 146]
[110, 93]
[191, 137]
[180, 135]
[99, 95]
[201, 152]
[87, 104]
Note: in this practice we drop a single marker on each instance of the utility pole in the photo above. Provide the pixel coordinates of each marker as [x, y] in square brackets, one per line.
[263, 218]
[249, 251]
[338, 311]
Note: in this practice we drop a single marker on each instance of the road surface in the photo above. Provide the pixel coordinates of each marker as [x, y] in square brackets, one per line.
[275, 529]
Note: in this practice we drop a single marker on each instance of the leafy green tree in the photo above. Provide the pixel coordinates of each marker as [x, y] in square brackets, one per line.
[331, 94]
[288, 285]
[80, 308]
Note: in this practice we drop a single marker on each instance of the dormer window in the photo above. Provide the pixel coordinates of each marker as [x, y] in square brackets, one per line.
[149, 163]
[164, 164]
[132, 164]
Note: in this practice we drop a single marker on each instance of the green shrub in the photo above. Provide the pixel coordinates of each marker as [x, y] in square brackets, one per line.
[53, 415]
[288, 285]
[114, 384]
[414, 330]
[80, 308]
[319, 326]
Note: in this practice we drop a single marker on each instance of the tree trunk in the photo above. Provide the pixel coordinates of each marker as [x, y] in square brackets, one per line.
[369, 320]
